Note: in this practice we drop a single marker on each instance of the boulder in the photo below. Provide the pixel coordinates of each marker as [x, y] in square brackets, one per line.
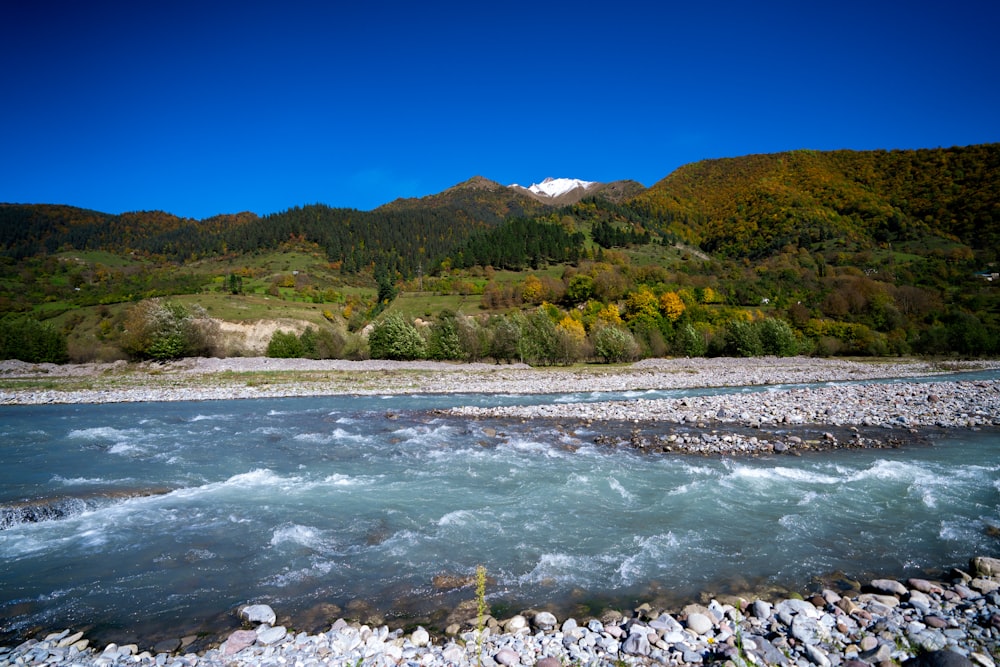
[636, 644]
[761, 609]
[889, 587]
[515, 624]
[238, 641]
[167, 646]
[942, 658]
[548, 662]
[258, 613]
[985, 567]
[420, 637]
[544, 621]
[817, 656]
[806, 630]
[507, 657]
[700, 624]
[267, 636]
[984, 586]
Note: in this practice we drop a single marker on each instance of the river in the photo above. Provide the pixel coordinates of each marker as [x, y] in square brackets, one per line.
[154, 520]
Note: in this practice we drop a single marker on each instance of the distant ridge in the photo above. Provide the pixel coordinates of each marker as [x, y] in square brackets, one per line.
[568, 191]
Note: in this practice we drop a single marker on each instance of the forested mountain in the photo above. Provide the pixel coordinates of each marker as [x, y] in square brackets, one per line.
[755, 205]
[477, 200]
[752, 207]
[29, 230]
[841, 252]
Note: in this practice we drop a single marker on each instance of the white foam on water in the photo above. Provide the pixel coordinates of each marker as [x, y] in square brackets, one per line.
[655, 550]
[886, 470]
[616, 486]
[457, 518]
[426, 434]
[808, 498]
[201, 418]
[779, 475]
[957, 531]
[297, 534]
[557, 567]
[401, 543]
[103, 433]
[793, 522]
[82, 481]
[126, 448]
[336, 435]
[338, 479]
[318, 569]
[259, 481]
[533, 447]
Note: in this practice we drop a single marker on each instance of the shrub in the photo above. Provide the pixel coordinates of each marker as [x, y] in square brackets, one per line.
[615, 345]
[777, 337]
[284, 345]
[474, 339]
[29, 340]
[394, 338]
[690, 342]
[443, 341]
[161, 330]
[504, 339]
[742, 339]
[539, 343]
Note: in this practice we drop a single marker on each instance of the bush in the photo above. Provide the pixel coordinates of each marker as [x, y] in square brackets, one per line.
[284, 345]
[615, 345]
[161, 330]
[504, 339]
[777, 338]
[394, 338]
[474, 339]
[539, 343]
[444, 342]
[742, 339]
[690, 342]
[32, 341]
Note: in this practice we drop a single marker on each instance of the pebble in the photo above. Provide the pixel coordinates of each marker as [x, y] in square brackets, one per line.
[932, 625]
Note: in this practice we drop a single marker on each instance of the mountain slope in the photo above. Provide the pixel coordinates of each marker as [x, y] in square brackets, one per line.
[477, 200]
[568, 191]
[752, 206]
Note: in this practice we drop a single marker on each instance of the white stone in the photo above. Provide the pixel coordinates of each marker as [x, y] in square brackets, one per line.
[258, 613]
[420, 637]
[699, 624]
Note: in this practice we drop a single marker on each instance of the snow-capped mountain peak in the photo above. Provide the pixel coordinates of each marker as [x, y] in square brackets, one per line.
[555, 187]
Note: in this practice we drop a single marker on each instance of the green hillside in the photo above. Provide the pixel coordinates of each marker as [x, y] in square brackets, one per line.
[755, 205]
[842, 252]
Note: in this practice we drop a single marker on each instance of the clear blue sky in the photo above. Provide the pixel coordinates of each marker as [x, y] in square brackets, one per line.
[200, 108]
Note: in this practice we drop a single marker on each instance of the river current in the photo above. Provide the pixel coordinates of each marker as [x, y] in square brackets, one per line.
[155, 520]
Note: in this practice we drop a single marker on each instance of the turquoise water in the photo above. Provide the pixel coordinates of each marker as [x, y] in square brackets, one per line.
[311, 501]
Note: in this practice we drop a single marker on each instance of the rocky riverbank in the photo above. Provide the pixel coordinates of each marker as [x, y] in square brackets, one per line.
[775, 420]
[950, 623]
[258, 377]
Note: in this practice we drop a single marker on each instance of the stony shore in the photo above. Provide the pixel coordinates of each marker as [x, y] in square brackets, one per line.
[259, 377]
[922, 623]
[774, 421]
